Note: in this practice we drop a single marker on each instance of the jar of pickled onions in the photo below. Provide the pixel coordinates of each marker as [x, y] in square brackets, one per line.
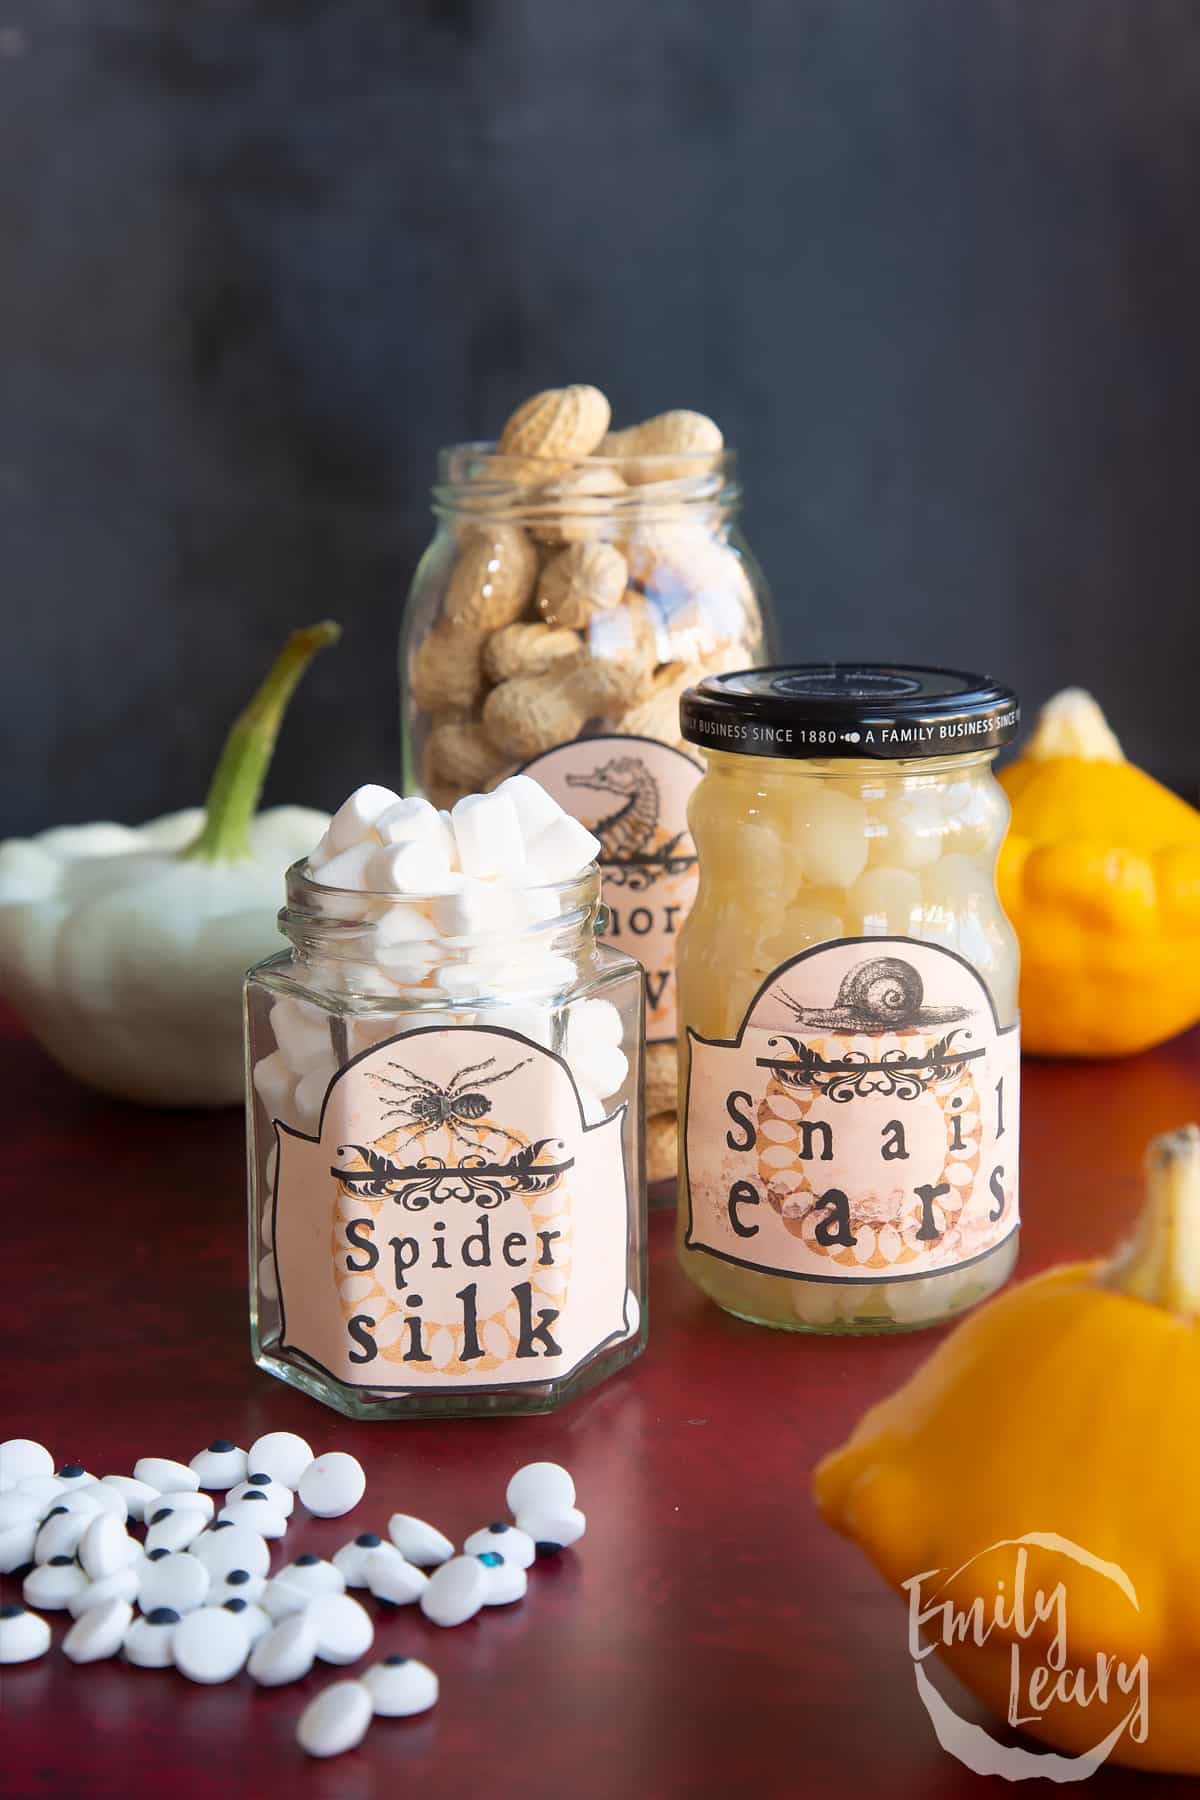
[849, 1059]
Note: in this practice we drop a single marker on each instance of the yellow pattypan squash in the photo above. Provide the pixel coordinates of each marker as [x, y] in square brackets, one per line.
[1065, 1409]
[1100, 875]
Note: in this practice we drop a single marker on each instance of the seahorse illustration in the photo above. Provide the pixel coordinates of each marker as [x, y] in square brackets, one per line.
[629, 830]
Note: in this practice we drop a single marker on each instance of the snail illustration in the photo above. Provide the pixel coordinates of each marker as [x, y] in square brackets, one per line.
[885, 993]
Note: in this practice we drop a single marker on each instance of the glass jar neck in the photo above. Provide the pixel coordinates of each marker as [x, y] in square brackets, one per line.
[409, 940]
[476, 482]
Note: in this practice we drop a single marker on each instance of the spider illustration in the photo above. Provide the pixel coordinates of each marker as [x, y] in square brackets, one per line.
[425, 1105]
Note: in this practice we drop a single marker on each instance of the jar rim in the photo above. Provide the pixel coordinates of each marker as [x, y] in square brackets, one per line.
[475, 476]
[301, 882]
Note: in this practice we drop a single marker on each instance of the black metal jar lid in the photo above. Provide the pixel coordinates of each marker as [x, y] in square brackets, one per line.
[866, 710]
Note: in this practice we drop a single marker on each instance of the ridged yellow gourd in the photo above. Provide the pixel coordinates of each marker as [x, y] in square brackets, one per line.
[1100, 876]
[1066, 1405]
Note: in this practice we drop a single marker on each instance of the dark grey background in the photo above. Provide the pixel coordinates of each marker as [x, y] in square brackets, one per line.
[934, 265]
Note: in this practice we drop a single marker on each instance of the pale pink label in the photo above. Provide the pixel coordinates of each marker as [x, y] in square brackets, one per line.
[863, 1125]
[455, 1224]
[633, 793]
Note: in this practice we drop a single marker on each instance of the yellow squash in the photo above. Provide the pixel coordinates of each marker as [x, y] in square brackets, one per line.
[1100, 875]
[1069, 1405]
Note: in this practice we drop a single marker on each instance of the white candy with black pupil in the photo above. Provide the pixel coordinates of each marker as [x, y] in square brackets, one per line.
[253, 1617]
[163, 1473]
[513, 1544]
[553, 1530]
[23, 1458]
[135, 1494]
[351, 1559]
[343, 1627]
[150, 1641]
[392, 1579]
[280, 1454]
[211, 1645]
[400, 1686]
[52, 1584]
[336, 1720]
[287, 1652]
[22, 1635]
[506, 1582]
[221, 1466]
[17, 1508]
[74, 1475]
[239, 1584]
[174, 1528]
[123, 1584]
[17, 1546]
[59, 1535]
[224, 1547]
[418, 1542]
[538, 1488]
[98, 1633]
[191, 1500]
[263, 1517]
[333, 1484]
[179, 1582]
[280, 1496]
[456, 1591]
[78, 1498]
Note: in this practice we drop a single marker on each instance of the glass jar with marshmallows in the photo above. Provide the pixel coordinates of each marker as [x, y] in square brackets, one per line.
[447, 1188]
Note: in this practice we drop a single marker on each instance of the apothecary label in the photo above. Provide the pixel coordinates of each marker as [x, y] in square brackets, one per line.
[862, 1125]
[633, 793]
[455, 1224]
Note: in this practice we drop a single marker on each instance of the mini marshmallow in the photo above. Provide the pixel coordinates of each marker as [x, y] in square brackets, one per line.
[592, 1023]
[310, 1093]
[564, 849]
[355, 818]
[601, 1069]
[275, 1084]
[536, 810]
[415, 821]
[488, 833]
[411, 868]
[351, 870]
[302, 1034]
[404, 924]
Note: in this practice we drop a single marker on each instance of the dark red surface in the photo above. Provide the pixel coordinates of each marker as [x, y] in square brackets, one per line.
[710, 1636]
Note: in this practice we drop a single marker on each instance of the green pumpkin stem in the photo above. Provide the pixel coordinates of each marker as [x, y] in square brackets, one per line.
[237, 781]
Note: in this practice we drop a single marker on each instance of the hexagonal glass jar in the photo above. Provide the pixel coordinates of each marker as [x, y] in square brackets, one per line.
[446, 1162]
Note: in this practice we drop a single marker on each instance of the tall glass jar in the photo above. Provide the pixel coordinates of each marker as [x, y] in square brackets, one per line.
[447, 1187]
[848, 999]
[553, 623]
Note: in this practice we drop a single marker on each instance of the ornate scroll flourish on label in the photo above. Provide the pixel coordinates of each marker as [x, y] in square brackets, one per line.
[456, 1224]
[863, 1123]
[633, 793]
[854, 1075]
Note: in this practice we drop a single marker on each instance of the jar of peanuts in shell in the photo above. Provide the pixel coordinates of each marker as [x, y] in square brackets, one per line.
[849, 1060]
[578, 581]
[446, 1166]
